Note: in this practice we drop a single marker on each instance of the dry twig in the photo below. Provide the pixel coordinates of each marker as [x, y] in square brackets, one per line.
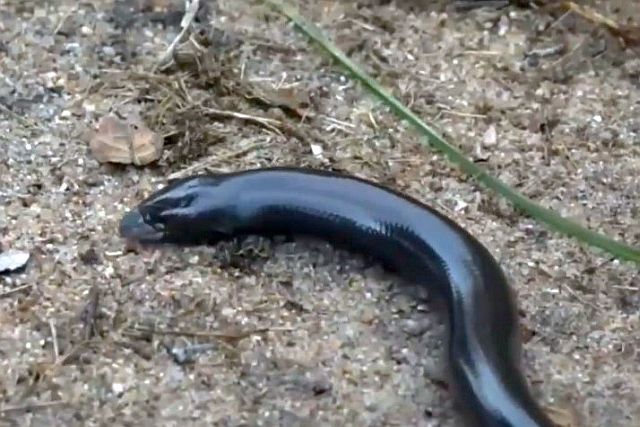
[191, 9]
[630, 35]
[89, 313]
[14, 291]
[54, 338]
[30, 407]
[262, 121]
[209, 161]
[232, 335]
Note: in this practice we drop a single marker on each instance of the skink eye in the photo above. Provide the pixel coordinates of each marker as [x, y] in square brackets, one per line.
[185, 202]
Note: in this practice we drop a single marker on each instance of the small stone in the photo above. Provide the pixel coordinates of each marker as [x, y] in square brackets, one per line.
[227, 311]
[490, 136]
[416, 327]
[367, 316]
[109, 51]
[117, 388]
[316, 150]
[13, 260]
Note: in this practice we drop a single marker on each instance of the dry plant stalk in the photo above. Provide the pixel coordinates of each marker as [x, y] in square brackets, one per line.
[191, 9]
[629, 34]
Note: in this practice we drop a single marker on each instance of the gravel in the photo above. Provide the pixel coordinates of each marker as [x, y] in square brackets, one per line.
[297, 333]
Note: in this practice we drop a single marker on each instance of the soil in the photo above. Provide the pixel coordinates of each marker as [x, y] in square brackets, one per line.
[297, 333]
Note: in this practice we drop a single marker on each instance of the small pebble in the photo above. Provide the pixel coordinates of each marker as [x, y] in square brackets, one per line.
[109, 51]
[13, 260]
[415, 327]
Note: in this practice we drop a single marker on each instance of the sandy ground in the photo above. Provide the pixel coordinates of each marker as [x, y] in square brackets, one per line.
[298, 333]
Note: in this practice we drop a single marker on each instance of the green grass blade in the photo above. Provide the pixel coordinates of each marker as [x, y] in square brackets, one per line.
[547, 216]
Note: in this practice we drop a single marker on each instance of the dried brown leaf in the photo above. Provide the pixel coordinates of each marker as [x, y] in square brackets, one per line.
[130, 142]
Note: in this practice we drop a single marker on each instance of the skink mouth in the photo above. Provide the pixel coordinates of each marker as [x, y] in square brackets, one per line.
[135, 229]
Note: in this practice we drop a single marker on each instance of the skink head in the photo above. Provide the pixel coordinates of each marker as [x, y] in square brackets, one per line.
[187, 211]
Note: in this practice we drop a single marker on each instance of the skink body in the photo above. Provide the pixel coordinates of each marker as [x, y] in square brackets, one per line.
[408, 237]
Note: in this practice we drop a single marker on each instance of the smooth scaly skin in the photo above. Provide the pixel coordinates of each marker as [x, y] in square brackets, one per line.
[407, 237]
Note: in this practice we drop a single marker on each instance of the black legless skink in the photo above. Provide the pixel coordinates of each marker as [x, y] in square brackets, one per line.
[405, 236]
